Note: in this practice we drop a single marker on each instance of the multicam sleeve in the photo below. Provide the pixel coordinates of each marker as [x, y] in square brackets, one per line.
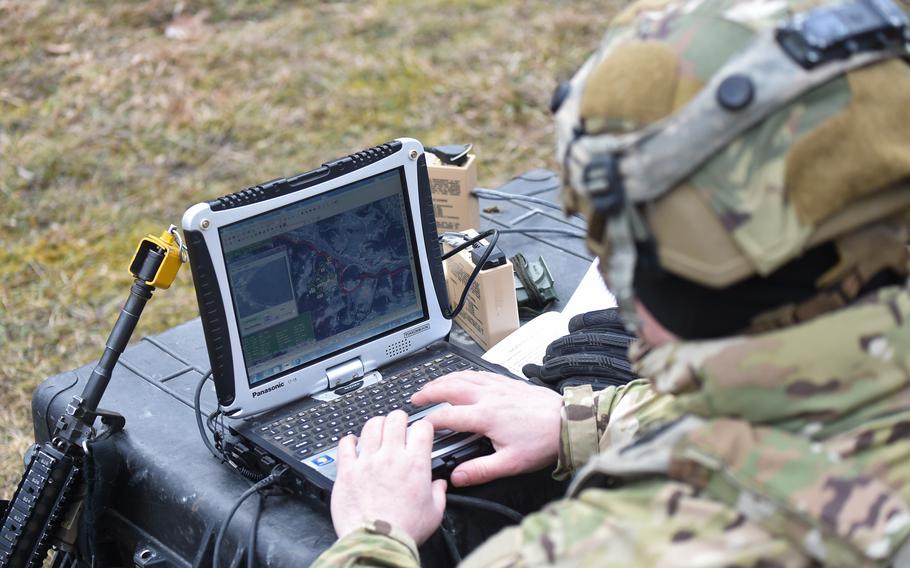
[376, 543]
[593, 421]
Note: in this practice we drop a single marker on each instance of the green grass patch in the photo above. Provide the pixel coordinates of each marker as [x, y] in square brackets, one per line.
[110, 129]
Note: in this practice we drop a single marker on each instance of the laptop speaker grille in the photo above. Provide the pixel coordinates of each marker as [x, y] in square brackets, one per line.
[398, 348]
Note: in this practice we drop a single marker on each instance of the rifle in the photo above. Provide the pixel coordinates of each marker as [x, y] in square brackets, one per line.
[48, 495]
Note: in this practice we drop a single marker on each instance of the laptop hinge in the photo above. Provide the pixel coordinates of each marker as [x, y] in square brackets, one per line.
[344, 373]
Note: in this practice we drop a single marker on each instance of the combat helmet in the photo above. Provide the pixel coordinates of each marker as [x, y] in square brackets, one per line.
[718, 145]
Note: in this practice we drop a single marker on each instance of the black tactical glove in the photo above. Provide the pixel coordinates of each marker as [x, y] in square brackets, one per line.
[593, 353]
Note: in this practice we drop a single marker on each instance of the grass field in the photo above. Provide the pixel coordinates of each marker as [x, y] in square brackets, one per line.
[115, 116]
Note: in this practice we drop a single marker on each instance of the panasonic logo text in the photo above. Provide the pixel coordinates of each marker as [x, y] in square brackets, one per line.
[268, 390]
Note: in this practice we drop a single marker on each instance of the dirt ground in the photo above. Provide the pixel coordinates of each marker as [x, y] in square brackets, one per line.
[115, 117]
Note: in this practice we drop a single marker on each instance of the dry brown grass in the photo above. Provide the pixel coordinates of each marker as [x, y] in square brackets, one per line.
[109, 129]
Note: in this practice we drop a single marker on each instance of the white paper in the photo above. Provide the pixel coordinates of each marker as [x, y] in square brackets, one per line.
[529, 342]
[591, 294]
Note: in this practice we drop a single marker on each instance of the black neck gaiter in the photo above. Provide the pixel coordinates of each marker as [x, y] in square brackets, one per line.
[692, 311]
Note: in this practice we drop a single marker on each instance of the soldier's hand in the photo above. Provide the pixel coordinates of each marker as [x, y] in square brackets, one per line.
[521, 420]
[388, 477]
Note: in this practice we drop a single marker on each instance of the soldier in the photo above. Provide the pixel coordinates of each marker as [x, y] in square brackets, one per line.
[744, 167]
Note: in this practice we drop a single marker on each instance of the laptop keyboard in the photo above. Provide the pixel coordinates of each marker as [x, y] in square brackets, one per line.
[319, 427]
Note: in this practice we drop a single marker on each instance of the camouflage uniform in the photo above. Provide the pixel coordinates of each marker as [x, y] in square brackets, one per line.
[782, 448]
[783, 459]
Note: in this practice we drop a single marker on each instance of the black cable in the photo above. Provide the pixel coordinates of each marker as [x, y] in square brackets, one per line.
[258, 486]
[222, 432]
[468, 242]
[450, 314]
[494, 237]
[503, 196]
[447, 530]
[253, 477]
[210, 421]
[197, 397]
[485, 505]
[251, 542]
[447, 527]
[219, 539]
[565, 232]
[554, 231]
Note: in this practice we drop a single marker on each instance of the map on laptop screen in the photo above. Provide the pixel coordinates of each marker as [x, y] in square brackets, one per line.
[322, 275]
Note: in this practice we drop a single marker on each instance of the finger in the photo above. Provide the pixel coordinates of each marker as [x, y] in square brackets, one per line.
[608, 319]
[480, 378]
[459, 419]
[532, 370]
[371, 436]
[393, 430]
[476, 377]
[585, 364]
[606, 343]
[439, 495]
[451, 389]
[347, 449]
[420, 438]
[483, 469]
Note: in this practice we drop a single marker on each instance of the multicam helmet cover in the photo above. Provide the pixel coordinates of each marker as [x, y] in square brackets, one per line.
[730, 136]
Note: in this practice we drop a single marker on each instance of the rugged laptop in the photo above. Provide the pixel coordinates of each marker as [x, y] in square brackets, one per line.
[322, 299]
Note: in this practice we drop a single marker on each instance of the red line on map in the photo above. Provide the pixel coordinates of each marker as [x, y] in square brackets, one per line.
[339, 267]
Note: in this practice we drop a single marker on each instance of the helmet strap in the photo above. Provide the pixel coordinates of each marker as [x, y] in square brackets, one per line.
[629, 242]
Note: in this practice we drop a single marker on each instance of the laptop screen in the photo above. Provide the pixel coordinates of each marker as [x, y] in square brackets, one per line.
[323, 275]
